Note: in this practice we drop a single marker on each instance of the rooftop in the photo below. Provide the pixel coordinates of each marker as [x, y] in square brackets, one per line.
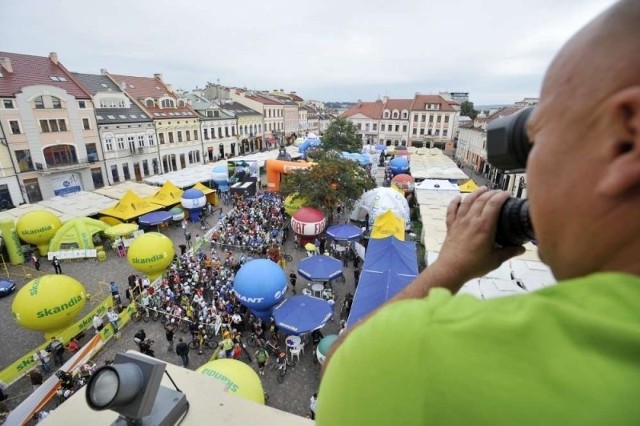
[20, 71]
[420, 102]
[368, 109]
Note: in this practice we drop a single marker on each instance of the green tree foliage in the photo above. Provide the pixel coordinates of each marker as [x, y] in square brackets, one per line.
[341, 136]
[466, 108]
[331, 182]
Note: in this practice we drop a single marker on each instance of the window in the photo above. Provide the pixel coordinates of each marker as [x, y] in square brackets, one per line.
[446, 118]
[375, 126]
[120, 142]
[226, 132]
[96, 176]
[382, 127]
[395, 114]
[167, 103]
[83, 104]
[151, 141]
[108, 143]
[15, 127]
[170, 137]
[421, 131]
[206, 134]
[424, 118]
[38, 102]
[62, 125]
[92, 152]
[149, 103]
[5, 198]
[57, 78]
[131, 141]
[444, 132]
[32, 187]
[125, 171]
[386, 114]
[161, 138]
[8, 103]
[415, 118]
[430, 118]
[438, 118]
[44, 126]
[415, 131]
[114, 174]
[156, 166]
[188, 133]
[404, 114]
[209, 113]
[179, 136]
[60, 155]
[23, 157]
[141, 141]
[213, 133]
[233, 130]
[437, 132]
[404, 128]
[220, 132]
[55, 102]
[145, 167]
[85, 124]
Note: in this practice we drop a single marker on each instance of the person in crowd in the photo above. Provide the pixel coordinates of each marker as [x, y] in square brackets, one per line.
[565, 354]
[73, 346]
[169, 331]
[56, 349]
[312, 405]
[35, 261]
[98, 324]
[56, 265]
[182, 350]
[115, 290]
[41, 357]
[113, 319]
[36, 378]
[261, 357]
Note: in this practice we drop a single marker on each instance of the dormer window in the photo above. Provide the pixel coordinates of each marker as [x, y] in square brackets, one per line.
[38, 102]
[149, 103]
[386, 114]
[167, 103]
[209, 113]
[55, 103]
[405, 114]
[180, 102]
[395, 114]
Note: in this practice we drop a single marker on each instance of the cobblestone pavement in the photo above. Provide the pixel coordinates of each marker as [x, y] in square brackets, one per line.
[292, 396]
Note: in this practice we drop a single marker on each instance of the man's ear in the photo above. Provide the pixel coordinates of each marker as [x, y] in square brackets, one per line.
[621, 172]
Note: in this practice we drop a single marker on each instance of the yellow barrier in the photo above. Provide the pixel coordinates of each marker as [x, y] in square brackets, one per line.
[25, 363]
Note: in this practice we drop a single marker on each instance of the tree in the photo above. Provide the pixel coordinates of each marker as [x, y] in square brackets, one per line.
[466, 108]
[341, 136]
[331, 182]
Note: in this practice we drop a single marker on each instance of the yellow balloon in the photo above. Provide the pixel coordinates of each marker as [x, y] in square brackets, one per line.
[48, 303]
[239, 378]
[37, 228]
[151, 254]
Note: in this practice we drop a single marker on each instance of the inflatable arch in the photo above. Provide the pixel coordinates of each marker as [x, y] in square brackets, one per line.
[77, 231]
[276, 167]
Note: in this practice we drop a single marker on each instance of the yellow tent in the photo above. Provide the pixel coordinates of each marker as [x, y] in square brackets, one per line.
[212, 197]
[130, 206]
[168, 195]
[388, 224]
[468, 186]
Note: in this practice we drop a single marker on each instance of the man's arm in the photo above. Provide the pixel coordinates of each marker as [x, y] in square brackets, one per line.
[469, 250]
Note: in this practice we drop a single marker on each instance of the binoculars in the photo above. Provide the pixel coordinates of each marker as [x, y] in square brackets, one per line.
[508, 147]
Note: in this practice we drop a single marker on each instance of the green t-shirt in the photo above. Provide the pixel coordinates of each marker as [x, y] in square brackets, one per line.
[565, 355]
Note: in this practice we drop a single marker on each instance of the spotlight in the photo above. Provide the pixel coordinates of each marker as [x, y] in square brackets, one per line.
[131, 387]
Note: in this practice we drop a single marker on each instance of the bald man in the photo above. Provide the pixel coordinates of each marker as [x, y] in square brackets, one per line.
[568, 354]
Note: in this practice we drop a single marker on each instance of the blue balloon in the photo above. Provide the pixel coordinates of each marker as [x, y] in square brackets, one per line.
[260, 284]
[399, 165]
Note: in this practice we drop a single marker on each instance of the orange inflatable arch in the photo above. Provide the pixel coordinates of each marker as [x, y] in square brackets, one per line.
[277, 167]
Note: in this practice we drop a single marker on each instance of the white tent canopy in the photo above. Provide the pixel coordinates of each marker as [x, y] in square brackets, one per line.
[78, 204]
[16, 213]
[116, 192]
[186, 177]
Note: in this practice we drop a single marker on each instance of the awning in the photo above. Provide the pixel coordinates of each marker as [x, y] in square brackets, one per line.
[168, 195]
[130, 207]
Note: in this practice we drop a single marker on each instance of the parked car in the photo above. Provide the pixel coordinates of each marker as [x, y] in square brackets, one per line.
[6, 287]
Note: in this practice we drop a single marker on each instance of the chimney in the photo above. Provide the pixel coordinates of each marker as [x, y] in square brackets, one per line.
[123, 86]
[54, 57]
[104, 71]
[5, 62]
[159, 77]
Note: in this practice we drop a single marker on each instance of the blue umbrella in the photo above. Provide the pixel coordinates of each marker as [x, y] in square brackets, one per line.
[301, 314]
[380, 147]
[320, 268]
[344, 232]
[155, 218]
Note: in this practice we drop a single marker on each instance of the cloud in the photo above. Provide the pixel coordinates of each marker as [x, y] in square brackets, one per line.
[331, 49]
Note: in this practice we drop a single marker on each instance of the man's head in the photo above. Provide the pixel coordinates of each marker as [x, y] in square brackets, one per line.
[584, 168]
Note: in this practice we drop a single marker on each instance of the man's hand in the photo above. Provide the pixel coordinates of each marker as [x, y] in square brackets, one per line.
[469, 250]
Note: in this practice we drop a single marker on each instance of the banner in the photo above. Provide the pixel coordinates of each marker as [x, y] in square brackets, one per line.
[25, 363]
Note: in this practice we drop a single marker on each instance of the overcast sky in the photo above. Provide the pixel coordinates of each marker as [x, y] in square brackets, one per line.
[328, 50]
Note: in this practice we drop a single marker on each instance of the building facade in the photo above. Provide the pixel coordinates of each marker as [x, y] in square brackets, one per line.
[176, 123]
[271, 109]
[433, 122]
[127, 134]
[50, 131]
[249, 125]
[394, 124]
[366, 116]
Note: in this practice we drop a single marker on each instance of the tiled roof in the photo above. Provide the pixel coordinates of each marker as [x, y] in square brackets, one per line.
[420, 102]
[369, 109]
[295, 97]
[152, 87]
[502, 112]
[98, 83]
[238, 109]
[29, 70]
[398, 104]
[264, 100]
